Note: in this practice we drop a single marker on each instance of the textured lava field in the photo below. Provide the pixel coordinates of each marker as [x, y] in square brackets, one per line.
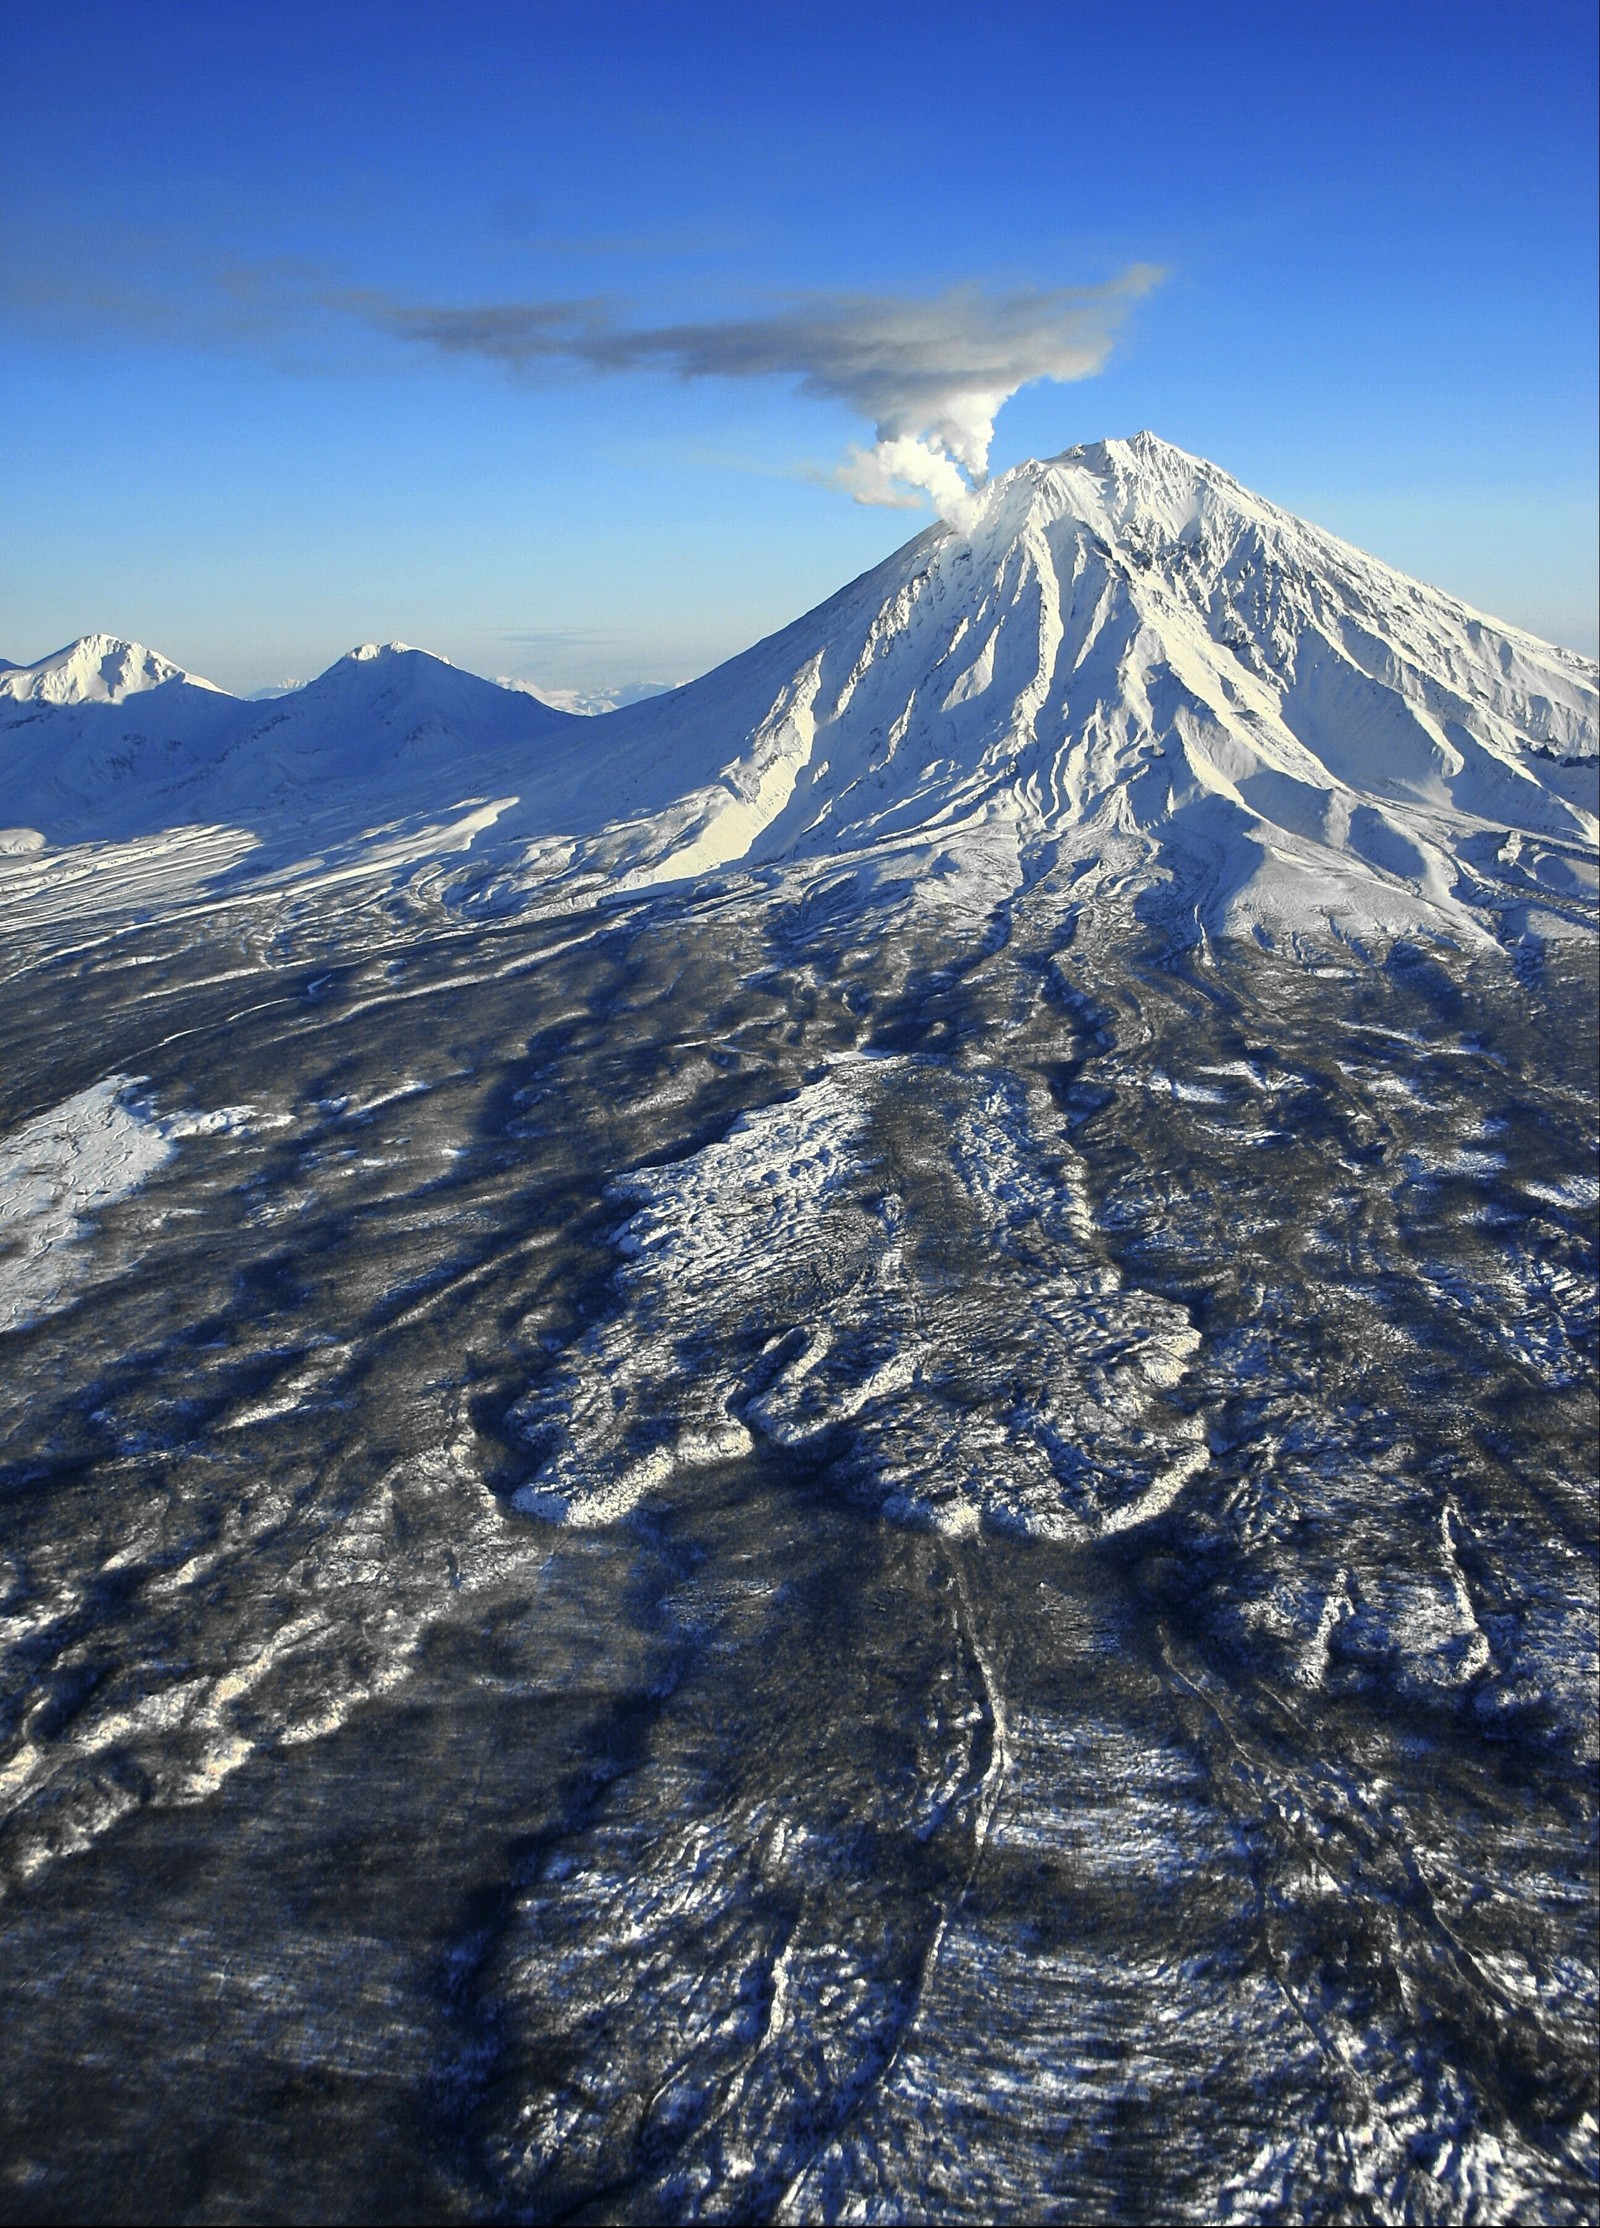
[706, 1563]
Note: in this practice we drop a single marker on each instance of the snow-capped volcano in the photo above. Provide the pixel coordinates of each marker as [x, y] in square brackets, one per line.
[96, 669]
[1130, 656]
[1129, 669]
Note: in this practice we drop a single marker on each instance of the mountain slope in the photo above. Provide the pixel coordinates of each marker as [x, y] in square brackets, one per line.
[93, 740]
[386, 730]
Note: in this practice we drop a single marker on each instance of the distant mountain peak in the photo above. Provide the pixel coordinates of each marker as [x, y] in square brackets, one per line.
[96, 669]
[589, 703]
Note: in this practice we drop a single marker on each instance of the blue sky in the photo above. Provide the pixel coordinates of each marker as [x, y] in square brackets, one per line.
[1375, 226]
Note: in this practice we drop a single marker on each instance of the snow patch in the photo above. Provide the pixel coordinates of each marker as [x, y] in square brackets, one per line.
[62, 1169]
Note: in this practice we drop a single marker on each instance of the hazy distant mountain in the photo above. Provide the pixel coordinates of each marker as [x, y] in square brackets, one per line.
[387, 728]
[385, 731]
[592, 703]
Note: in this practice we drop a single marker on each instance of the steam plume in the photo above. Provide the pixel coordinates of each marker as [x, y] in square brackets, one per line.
[929, 373]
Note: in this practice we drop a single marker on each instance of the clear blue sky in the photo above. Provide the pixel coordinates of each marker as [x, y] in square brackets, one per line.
[1376, 224]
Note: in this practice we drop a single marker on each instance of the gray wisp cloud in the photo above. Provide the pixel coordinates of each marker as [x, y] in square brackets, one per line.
[929, 373]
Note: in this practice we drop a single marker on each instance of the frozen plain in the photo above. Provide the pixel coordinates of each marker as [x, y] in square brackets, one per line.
[861, 1490]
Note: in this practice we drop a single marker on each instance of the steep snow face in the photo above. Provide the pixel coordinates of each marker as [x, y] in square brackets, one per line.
[96, 669]
[1132, 661]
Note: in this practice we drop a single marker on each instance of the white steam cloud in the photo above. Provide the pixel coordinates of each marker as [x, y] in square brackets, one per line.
[899, 469]
[929, 374]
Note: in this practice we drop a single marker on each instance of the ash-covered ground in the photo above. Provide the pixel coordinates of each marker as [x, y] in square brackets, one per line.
[703, 1562]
